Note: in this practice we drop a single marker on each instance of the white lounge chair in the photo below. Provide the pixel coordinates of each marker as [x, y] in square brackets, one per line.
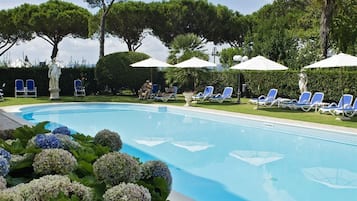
[345, 101]
[31, 89]
[269, 99]
[205, 95]
[2, 92]
[79, 89]
[349, 111]
[226, 95]
[20, 90]
[315, 102]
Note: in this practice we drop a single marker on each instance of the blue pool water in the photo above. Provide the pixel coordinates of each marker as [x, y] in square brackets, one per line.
[223, 157]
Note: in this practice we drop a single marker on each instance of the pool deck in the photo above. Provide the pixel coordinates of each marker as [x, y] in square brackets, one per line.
[10, 121]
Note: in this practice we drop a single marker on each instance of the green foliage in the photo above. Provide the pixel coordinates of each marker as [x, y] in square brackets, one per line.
[158, 188]
[114, 71]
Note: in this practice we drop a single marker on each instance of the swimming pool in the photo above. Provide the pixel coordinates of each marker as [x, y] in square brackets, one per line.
[216, 156]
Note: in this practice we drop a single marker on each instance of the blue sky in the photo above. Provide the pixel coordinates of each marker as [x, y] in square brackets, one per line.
[86, 51]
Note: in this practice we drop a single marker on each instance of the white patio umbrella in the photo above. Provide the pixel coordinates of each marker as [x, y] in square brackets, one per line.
[151, 63]
[338, 60]
[195, 62]
[259, 63]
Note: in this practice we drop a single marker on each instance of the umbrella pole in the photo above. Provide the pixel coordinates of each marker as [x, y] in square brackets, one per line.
[151, 75]
[343, 117]
[238, 91]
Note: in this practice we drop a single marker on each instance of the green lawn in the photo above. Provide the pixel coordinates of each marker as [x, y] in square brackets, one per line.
[227, 106]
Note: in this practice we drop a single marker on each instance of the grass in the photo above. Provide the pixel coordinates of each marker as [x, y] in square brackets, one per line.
[227, 106]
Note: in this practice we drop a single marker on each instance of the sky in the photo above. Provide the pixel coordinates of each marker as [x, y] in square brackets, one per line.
[86, 51]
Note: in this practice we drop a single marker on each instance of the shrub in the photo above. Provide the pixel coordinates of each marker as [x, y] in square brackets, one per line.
[62, 130]
[7, 134]
[67, 142]
[114, 168]
[153, 169]
[124, 192]
[49, 187]
[54, 161]
[47, 141]
[5, 154]
[4, 166]
[108, 138]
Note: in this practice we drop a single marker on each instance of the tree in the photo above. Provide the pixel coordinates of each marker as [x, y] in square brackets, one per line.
[105, 6]
[128, 21]
[14, 26]
[326, 18]
[56, 19]
[184, 47]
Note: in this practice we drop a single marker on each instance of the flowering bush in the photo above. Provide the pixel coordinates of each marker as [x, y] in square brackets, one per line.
[66, 142]
[47, 141]
[114, 168]
[4, 166]
[127, 192]
[2, 183]
[54, 161]
[47, 188]
[5, 154]
[62, 130]
[108, 138]
[153, 169]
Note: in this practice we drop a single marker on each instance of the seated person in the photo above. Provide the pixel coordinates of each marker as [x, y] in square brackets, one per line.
[145, 90]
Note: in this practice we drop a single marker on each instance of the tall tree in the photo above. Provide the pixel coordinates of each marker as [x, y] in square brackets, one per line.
[14, 26]
[105, 6]
[128, 21]
[326, 19]
[56, 19]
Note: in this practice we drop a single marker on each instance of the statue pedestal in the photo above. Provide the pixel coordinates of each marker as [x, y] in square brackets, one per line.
[188, 98]
[54, 94]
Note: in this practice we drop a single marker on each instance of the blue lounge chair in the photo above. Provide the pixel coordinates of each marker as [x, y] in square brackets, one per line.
[171, 95]
[20, 90]
[31, 89]
[349, 111]
[79, 89]
[205, 95]
[345, 101]
[2, 92]
[269, 99]
[304, 98]
[154, 91]
[315, 102]
[226, 95]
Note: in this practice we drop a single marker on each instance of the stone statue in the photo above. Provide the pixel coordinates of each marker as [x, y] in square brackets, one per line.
[54, 73]
[302, 82]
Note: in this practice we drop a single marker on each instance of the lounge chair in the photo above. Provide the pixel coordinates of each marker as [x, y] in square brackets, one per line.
[304, 98]
[269, 99]
[345, 101]
[315, 102]
[205, 95]
[2, 92]
[169, 95]
[154, 91]
[20, 90]
[226, 95]
[349, 111]
[79, 89]
[31, 89]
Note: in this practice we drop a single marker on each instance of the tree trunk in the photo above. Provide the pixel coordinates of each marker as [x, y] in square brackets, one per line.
[326, 18]
[54, 50]
[102, 35]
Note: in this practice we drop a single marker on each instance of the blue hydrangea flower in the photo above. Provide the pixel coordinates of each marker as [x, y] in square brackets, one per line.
[47, 141]
[5, 154]
[4, 166]
[62, 130]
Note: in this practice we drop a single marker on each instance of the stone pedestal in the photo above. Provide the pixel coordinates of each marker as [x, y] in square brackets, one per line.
[188, 98]
[54, 94]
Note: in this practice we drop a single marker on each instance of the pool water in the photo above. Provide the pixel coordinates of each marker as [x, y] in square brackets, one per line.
[222, 157]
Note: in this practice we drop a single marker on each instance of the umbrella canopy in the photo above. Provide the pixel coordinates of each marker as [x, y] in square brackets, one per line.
[259, 63]
[338, 60]
[195, 62]
[151, 63]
